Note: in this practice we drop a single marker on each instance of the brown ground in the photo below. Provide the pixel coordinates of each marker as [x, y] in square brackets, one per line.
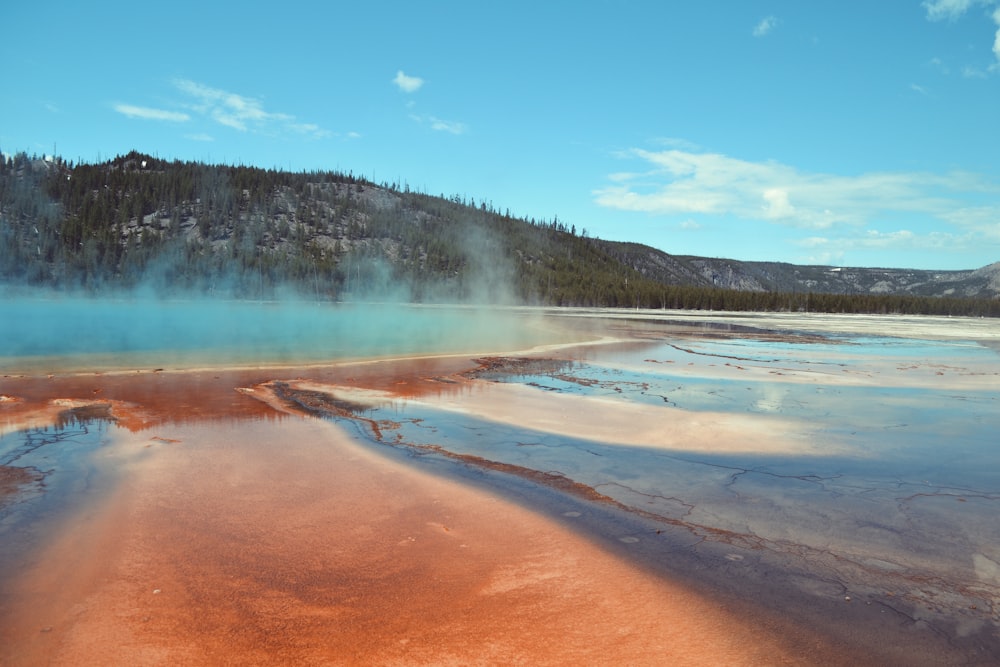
[148, 398]
[13, 479]
[240, 535]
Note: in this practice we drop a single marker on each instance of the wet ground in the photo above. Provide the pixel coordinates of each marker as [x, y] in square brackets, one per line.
[832, 488]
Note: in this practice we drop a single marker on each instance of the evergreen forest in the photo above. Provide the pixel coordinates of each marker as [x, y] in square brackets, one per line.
[172, 227]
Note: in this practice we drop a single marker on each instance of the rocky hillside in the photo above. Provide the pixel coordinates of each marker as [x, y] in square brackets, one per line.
[782, 277]
[242, 231]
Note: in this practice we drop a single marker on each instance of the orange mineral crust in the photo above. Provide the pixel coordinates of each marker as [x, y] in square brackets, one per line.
[287, 542]
[142, 399]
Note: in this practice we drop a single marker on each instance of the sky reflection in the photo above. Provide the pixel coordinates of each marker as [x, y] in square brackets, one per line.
[908, 494]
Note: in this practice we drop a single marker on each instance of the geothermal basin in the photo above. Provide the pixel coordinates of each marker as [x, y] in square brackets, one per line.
[317, 484]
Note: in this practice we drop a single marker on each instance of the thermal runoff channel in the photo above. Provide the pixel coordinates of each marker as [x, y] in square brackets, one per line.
[382, 484]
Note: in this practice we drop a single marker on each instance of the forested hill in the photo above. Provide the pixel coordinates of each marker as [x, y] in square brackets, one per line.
[178, 227]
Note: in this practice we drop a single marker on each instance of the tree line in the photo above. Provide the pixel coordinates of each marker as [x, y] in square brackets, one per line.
[248, 232]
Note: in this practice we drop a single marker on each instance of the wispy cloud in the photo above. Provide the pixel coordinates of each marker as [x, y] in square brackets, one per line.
[407, 84]
[765, 26]
[996, 36]
[939, 10]
[454, 127]
[971, 72]
[411, 84]
[440, 125]
[711, 184]
[678, 143]
[241, 112]
[979, 220]
[951, 10]
[229, 109]
[827, 250]
[939, 65]
[147, 113]
[310, 129]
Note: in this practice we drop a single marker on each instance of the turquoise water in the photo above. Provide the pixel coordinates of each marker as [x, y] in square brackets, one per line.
[903, 515]
[93, 334]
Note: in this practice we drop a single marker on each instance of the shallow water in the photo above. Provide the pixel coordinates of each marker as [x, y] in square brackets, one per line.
[59, 472]
[61, 334]
[811, 462]
[902, 513]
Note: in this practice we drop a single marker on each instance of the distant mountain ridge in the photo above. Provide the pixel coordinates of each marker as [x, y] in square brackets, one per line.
[245, 231]
[734, 274]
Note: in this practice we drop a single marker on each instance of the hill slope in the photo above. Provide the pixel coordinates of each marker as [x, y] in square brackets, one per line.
[783, 277]
[243, 231]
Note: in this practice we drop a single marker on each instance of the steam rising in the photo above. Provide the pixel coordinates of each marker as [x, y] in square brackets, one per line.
[170, 321]
[46, 333]
[196, 303]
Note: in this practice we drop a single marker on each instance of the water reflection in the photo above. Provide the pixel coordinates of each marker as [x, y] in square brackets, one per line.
[49, 469]
[849, 467]
[902, 512]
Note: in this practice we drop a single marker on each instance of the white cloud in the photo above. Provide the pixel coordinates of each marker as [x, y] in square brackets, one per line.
[310, 129]
[868, 240]
[241, 112]
[996, 37]
[951, 10]
[447, 125]
[677, 142]
[813, 242]
[439, 125]
[939, 65]
[938, 10]
[981, 220]
[776, 204]
[918, 88]
[146, 113]
[830, 258]
[970, 72]
[766, 25]
[229, 109]
[876, 239]
[407, 84]
[683, 183]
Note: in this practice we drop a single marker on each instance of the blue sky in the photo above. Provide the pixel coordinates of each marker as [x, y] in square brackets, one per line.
[850, 133]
